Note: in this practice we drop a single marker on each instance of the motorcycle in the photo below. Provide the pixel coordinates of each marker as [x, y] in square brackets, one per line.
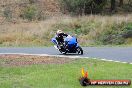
[70, 45]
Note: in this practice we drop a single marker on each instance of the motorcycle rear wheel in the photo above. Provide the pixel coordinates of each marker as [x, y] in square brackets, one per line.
[80, 50]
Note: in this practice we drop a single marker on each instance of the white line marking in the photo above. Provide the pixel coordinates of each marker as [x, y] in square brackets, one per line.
[60, 56]
[124, 62]
[110, 60]
[116, 61]
[103, 59]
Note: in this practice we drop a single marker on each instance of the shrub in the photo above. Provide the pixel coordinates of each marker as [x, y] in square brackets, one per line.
[117, 34]
[7, 13]
[29, 13]
[109, 37]
[127, 31]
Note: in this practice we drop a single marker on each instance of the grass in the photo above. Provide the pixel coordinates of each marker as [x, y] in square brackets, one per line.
[62, 75]
[92, 30]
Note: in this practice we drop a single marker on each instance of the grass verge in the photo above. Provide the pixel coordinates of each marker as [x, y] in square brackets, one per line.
[62, 75]
[92, 30]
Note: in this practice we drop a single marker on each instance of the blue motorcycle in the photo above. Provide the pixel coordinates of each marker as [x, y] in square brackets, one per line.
[70, 45]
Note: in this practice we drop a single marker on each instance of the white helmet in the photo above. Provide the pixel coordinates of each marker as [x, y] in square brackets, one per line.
[59, 31]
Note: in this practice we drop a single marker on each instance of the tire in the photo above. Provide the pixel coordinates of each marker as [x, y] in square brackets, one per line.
[80, 50]
[63, 51]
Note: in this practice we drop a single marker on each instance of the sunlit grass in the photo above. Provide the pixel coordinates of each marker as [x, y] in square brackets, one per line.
[62, 75]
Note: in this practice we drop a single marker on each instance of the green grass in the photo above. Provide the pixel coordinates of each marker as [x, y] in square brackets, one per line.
[62, 75]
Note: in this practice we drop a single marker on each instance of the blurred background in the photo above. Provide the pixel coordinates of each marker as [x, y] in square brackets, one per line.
[93, 22]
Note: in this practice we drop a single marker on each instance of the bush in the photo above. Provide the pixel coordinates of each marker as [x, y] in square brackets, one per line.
[117, 34]
[83, 6]
[127, 31]
[8, 13]
[29, 13]
[112, 35]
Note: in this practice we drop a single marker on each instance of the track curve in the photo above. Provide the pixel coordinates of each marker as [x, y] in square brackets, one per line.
[123, 54]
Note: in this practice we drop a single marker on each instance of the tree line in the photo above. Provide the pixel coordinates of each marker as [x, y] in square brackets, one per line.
[93, 6]
[41, 9]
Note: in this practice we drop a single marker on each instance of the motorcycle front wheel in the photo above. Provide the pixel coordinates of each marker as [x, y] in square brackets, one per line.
[63, 51]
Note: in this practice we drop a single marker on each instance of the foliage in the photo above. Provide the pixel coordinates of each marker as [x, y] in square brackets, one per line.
[29, 13]
[116, 34]
[127, 32]
[7, 13]
[83, 6]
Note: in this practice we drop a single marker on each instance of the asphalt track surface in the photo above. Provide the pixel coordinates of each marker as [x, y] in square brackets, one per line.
[122, 54]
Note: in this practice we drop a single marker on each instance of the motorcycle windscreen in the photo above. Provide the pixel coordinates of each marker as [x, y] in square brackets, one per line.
[54, 41]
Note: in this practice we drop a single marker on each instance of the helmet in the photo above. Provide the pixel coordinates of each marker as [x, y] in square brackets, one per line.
[59, 31]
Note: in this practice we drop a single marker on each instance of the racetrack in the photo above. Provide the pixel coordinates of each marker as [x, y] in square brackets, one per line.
[122, 54]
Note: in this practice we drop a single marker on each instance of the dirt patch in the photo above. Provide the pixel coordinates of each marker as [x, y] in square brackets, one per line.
[21, 60]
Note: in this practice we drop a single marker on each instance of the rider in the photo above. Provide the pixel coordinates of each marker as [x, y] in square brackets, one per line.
[60, 36]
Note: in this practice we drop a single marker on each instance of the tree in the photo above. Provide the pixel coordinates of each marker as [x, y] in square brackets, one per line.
[112, 5]
[121, 3]
[80, 7]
